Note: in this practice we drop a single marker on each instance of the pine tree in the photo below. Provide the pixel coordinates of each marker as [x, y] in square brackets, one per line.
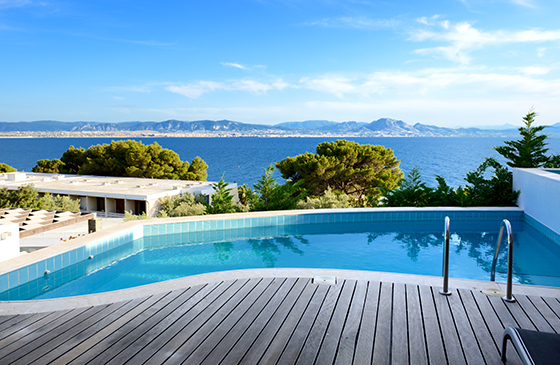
[530, 150]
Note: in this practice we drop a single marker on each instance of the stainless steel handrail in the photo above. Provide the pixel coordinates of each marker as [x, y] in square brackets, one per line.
[445, 290]
[509, 285]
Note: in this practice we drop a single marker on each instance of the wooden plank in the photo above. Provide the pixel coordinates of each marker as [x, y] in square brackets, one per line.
[86, 329]
[282, 336]
[236, 322]
[399, 341]
[469, 344]
[253, 344]
[146, 344]
[195, 331]
[511, 314]
[434, 343]
[366, 336]
[481, 332]
[319, 329]
[295, 345]
[92, 341]
[382, 342]
[138, 324]
[347, 343]
[495, 323]
[451, 341]
[43, 335]
[23, 328]
[52, 349]
[533, 314]
[331, 342]
[417, 340]
[553, 304]
[243, 335]
[551, 317]
[13, 320]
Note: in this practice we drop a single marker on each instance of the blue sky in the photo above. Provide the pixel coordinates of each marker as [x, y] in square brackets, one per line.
[443, 62]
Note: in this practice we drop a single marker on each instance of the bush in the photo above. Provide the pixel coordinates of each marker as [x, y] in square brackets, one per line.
[6, 168]
[180, 206]
[128, 216]
[330, 200]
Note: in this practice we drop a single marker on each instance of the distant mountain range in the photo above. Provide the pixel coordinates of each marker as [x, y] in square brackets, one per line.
[384, 127]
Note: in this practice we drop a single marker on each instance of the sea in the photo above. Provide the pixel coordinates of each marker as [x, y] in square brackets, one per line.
[243, 159]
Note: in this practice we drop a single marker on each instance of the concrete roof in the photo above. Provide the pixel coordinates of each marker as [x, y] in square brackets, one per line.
[103, 186]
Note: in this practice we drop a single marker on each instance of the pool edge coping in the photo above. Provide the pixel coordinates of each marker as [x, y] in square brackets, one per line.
[49, 305]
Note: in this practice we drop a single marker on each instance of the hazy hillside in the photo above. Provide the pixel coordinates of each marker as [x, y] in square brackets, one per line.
[379, 127]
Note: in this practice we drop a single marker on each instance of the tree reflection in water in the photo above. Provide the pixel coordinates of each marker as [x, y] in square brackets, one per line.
[223, 250]
[414, 242]
[268, 249]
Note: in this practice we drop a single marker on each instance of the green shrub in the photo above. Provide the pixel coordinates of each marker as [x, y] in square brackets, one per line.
[180, 206]
[330, 200]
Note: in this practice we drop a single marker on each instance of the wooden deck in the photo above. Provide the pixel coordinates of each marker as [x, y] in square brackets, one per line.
[280, 321]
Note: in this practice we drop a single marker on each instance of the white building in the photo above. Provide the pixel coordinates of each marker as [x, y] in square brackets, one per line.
[106, 195]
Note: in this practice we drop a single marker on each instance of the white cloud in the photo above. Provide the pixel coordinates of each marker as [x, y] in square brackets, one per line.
[463, 38]
[354, 22]
[5, 4]
[235, 65]
[535, 70]
[526, 3]
[194, 90]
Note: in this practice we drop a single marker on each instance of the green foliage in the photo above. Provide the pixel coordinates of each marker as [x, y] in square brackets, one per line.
[180, 206]
[273, 196]
[412, 192]
[530, 150]
[73, 159]
[26, 196]
[553, 162]
[246, 195]
[494, 191]
[222, 200]
[346, 166]
[128, 216]
[59, 202]
[6, 168]
[481, 190]
[48, 166]
[330, 200]
[127, 159]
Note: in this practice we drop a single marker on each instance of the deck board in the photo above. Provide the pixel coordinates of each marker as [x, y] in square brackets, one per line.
[276, 320]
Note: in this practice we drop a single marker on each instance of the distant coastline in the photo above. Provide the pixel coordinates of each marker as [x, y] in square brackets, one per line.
[384, 127]
[154, 134]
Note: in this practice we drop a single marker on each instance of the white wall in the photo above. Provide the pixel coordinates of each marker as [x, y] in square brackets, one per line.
[540, 195]
[9, 241]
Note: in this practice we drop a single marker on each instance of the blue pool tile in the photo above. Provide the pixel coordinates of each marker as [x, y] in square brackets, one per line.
[41, 267]
[213, 225]
[33, 274]
[220, 224]
[23, 275]
[58, 262]
[65, 259]
[13, 278]
[4, 283]
[227, 224]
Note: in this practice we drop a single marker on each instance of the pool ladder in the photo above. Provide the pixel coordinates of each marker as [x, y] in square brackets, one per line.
[505, 224]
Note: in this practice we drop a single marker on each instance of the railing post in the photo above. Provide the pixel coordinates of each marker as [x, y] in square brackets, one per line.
[509, 286]
[445, 290]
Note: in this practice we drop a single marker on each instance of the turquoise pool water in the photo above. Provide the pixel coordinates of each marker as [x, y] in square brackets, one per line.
[413, 247]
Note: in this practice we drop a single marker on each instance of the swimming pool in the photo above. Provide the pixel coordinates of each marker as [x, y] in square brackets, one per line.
[397, 241]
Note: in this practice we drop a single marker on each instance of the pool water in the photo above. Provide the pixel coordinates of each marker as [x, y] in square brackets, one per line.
[414, 248]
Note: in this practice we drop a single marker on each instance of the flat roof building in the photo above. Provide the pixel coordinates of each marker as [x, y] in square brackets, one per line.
[109, 196]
